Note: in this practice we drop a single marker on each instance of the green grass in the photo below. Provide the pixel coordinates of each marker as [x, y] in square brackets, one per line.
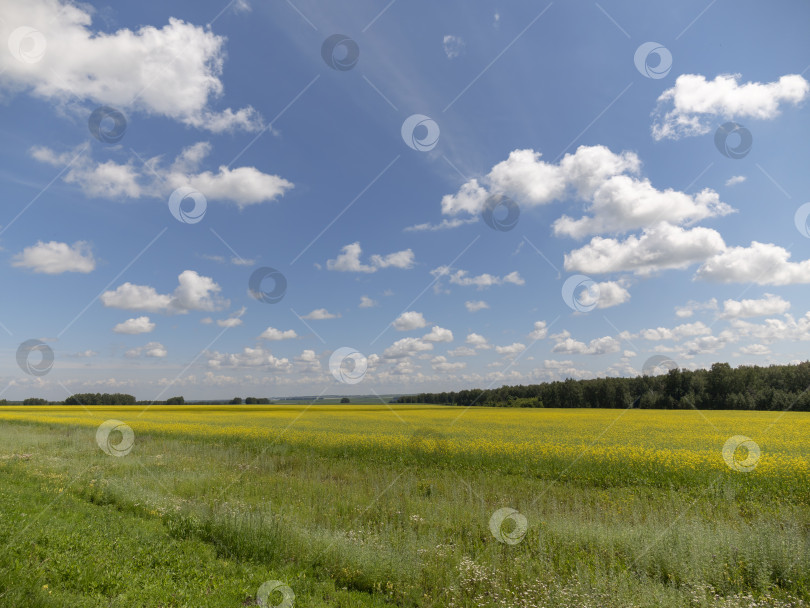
[64, 549]
[187, 521]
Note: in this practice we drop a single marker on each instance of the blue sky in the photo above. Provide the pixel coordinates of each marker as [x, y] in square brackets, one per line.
[684, 251]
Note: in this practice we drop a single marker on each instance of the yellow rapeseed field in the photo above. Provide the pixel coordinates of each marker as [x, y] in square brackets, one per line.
[654, 442]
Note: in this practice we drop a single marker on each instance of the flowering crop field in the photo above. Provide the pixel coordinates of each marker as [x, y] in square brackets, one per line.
[403, 505]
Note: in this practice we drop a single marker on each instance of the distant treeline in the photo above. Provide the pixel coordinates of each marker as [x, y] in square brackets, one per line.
[100, 399]
[236, 401]
[777, 387]
[124, 399]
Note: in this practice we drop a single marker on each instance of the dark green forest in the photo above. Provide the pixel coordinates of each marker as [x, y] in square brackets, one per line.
[748, 387]
[777, 387]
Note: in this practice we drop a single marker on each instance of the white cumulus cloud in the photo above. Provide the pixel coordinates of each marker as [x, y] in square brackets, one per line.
[599, 346]
[320, 314]
[242, 186]
[481, 281]
[616, 198]
[755, 349]
[55, 258]
[441, 364]
[611, 293]
[409, 320]
[271, 333]
[172, 71]
[406, 347]
[249, 358]
[511, 350]
[229, 322]
[540, 330]
[687, 310]
[349, 260]
[769, 305]
[760, 263]
[475, 306]
[137, 325]
[662, 246]
[477, 341]
[676, 333]
[438, 334]
[152, 349]
[694, 104]
[193, 292]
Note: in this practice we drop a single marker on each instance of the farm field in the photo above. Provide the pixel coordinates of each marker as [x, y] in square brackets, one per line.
[402, 505]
